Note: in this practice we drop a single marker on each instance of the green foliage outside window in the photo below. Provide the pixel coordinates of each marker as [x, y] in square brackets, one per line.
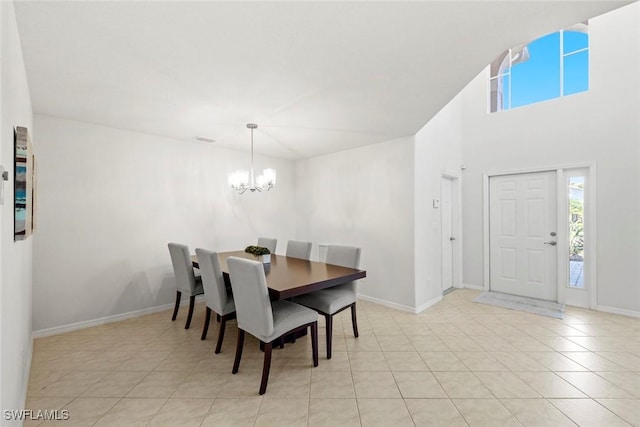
[576, 229]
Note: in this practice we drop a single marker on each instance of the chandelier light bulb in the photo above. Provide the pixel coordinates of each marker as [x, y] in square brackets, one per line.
[242, 180]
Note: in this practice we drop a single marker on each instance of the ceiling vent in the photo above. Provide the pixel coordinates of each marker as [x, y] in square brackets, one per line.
[203, 139]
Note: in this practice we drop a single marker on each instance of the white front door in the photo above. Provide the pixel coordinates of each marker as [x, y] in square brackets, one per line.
[522, 234]
[446, 200]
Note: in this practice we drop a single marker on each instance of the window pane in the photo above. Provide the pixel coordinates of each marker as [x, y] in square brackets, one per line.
[493, 95]
[576, 73]
[574, 40]
[537, 79]
[576, 231]
[504, 86]
[499, 93]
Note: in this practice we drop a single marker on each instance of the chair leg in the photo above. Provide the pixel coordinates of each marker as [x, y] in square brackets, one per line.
[236, 362]
[329, 322]
[207, 318]
[266, 367]
[175, 310]
[353, 319]
[192, 302]
[223, 323]
[314, 342]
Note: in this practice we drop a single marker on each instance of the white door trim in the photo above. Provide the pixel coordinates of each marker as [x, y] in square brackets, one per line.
[456, 225]
[590, 227]
[446, 234]
[592, 230]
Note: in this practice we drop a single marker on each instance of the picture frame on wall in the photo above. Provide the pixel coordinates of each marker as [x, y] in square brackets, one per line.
[24, 189]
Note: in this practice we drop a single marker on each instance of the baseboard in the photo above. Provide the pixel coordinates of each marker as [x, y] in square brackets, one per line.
[474, 287]
[104, 320]
[388, 303]
[621, 311]
[413, 310]
[428, 304]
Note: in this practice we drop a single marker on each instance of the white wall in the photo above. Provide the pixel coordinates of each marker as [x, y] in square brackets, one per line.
[438, 151]
[599, 126]
[110, 201]
[364, 197]
[16, 257]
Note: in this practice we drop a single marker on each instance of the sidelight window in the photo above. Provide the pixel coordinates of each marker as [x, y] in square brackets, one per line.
[576, 188]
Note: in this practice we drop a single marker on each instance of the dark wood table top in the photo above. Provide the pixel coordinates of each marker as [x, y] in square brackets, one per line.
[289, 277]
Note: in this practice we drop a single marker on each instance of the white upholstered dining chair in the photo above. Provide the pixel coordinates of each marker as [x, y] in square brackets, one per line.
[263, 319]
[331, 301]
[269, 243]
[298, 249]
[215, 293]
[186, 280]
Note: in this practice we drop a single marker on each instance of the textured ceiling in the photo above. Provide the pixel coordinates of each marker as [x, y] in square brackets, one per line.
[317, 77]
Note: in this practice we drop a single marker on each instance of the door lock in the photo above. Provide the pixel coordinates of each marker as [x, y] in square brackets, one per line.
[552, 243]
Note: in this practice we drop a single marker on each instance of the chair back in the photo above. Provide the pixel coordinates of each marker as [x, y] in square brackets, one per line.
[345, 256]
[251, 296]
[269, 243]
[182, 268]
[215, 291]
[298, 249]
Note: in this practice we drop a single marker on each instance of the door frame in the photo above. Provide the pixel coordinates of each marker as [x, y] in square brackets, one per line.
[456, 228]
[562, 274]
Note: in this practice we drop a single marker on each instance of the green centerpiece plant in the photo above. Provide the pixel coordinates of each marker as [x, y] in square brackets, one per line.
[263, 254]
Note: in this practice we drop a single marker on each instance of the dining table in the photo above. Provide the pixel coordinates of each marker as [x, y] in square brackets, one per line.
[288, 277]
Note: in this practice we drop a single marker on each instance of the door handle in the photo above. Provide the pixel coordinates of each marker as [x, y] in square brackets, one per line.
[452, 238]
[552, 243]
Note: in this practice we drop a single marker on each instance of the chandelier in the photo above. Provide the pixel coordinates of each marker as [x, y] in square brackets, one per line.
[242, 180]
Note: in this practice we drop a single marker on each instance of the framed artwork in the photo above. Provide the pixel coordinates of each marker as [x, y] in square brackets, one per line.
[24, 189]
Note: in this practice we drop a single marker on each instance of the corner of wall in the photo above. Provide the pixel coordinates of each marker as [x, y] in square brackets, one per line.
[16, 268]
[437, 151]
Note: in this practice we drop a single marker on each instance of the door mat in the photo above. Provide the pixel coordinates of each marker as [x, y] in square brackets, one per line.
[514, 302]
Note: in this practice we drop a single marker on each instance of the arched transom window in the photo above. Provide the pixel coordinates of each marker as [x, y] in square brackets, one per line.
[552, 66]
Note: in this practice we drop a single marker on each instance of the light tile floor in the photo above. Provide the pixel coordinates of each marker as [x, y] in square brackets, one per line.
[458, 363]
